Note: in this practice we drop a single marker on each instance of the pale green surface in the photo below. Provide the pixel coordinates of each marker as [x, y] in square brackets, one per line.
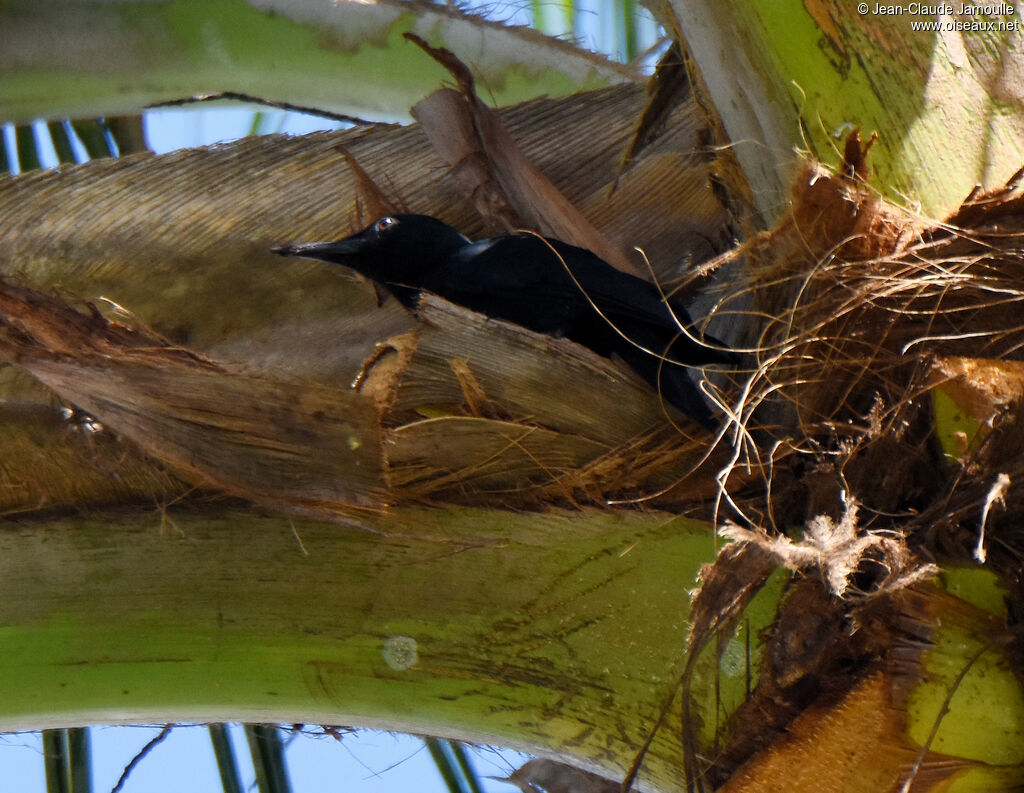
[801, 75]
[985, 721]
[986, 780]
[56, 57]
[951, 419]
[977, 586]
[562, 641]
[559, 633]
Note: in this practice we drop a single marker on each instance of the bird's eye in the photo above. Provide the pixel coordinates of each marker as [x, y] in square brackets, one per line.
[385, 223]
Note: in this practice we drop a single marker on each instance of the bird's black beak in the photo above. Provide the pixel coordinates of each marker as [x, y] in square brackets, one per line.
[339, 251]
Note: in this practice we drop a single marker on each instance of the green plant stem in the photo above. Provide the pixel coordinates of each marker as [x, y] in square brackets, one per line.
[268, 758]
[230, 779]
[554, 632]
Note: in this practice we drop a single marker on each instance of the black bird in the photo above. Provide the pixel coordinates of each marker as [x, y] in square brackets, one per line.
[542, 284]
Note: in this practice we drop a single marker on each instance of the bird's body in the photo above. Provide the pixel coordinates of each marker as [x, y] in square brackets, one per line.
[542, 284]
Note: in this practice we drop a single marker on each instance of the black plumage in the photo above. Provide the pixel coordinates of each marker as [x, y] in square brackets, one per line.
[542, 284]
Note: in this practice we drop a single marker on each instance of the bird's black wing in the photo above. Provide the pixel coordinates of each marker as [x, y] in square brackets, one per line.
[512, 278]
[637, 311]
[563, 290]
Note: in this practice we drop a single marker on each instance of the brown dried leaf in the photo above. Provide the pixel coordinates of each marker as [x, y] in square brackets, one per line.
[301, 444]
[447, 120]
[668, 87]
[476, 398]
[370, 201]
[536, 201]
[981, 387]
[527, 374]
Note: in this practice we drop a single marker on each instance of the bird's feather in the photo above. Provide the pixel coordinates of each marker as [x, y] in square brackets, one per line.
[545, 285]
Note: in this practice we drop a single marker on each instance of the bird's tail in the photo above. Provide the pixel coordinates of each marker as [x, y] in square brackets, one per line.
[672, 381]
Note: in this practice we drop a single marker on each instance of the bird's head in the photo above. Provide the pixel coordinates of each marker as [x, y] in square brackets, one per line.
[394, 249]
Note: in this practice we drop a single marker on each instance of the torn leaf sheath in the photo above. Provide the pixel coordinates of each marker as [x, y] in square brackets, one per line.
[476, 408]
[464, 408]
[296, 442]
